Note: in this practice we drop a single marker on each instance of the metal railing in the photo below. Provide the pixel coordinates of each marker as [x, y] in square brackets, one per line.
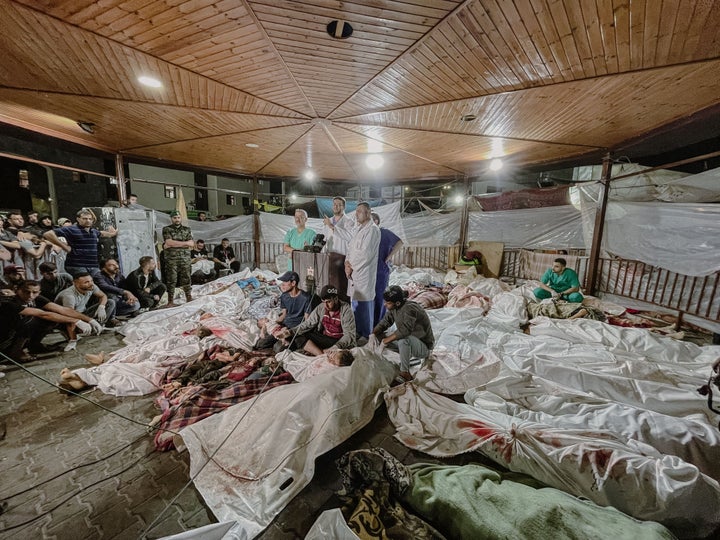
[691, 295]
[438, 257]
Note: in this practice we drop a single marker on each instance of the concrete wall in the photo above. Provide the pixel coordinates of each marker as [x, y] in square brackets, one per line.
[153, 195]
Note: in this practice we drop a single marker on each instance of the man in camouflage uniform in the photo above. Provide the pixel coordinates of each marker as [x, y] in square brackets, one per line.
[178, 242]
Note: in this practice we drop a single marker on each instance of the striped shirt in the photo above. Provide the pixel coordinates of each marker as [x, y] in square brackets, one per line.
[84, 244]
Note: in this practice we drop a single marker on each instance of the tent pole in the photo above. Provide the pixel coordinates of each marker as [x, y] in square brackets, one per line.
[256, 221]
[120, 179]
[464, 216]
[593, 263]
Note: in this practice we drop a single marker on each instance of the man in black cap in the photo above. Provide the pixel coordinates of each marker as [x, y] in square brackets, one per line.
[296, 305]
[330, 325]
[178, 242]
[413, 335]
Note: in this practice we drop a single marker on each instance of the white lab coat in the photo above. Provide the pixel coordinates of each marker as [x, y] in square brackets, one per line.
[338, 239]
[363, 257]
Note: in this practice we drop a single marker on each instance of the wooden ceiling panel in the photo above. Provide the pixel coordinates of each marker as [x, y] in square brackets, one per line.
[550, 79]
[229, 152]
[121, 126]
[490, 46]
[315, 151]
[597, 112]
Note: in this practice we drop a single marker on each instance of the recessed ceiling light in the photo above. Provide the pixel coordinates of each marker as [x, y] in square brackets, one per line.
[309, 175]
[468, 117]
[374, 161]
[149, 81]
[496, 164]
[252, 145]
[87, 127]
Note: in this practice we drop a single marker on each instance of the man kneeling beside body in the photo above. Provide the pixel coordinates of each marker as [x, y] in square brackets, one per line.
[413, 335]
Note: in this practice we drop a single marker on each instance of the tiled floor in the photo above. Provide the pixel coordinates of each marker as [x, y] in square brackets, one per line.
[75, 469]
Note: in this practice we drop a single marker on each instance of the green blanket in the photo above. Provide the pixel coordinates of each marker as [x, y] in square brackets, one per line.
[473, 502]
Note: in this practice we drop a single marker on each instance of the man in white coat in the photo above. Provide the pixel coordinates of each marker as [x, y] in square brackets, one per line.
[361, 268]
[339, 228]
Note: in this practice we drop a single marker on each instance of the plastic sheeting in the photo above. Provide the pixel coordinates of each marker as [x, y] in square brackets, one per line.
[583, 462]
[274, 226]
[535, 228]
[269, 455]
[432, 230]
[331, 524]
[235, 229]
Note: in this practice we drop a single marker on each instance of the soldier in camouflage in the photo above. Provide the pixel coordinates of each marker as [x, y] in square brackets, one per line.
[178, 242]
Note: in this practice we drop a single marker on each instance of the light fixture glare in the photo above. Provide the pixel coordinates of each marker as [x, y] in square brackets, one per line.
[496, 164]
[149, 81]
[374, 161]
[309, 175]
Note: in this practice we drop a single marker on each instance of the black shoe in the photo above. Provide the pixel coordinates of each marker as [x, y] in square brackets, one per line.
[42, 349]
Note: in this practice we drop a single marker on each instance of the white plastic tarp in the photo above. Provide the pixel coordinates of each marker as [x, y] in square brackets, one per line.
[533, 228]
[432, 230]
[235, 229]
[269, 444]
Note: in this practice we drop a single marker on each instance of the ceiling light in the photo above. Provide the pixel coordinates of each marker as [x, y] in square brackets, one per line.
[252, 145]
[309, 175]
[293, 197]
[87, 127]
[496, 164]
[149, 81]
[458, 199]
[374, 161]
[468, 117]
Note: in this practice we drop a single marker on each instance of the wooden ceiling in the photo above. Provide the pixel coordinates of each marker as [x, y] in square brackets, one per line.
[549, 81]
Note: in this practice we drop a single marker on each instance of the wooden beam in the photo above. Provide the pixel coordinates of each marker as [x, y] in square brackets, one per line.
[591, 280]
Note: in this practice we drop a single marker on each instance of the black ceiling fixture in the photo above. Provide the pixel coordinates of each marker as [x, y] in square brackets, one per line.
[339, 29]
[87, 127]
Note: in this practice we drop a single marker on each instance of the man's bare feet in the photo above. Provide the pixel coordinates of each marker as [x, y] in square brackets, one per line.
[71, 382]
[95, 359]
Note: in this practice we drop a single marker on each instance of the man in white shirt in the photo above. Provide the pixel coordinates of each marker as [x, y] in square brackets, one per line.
[339, 228]
[361, 268]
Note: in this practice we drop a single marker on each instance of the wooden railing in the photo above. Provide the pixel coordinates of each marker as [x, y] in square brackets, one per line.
[438, 257]
[690, 295]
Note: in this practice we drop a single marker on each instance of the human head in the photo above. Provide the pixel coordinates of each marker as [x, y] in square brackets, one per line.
[300, 217]
[15, 219]
[85, 218]
[340, 357]
[329, 296]
[202, 216]
[45, 220]
[338, 206]
[132, 199]
[200, 244]
[175, 217]
[362, 213]
[289, 281]
[83, 282]
[63, 221]
[110, 266]
[559, 265]
[14, 274]
[28, 291]
[224, 242]
[375, 218]
[394, 297]
[32, 217]
[147, 263]
[48, 271]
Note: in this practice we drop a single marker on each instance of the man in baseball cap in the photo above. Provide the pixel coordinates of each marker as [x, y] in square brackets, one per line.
[296, 305]
[330, 325]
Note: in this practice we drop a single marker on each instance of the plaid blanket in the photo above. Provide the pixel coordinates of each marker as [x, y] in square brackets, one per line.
[186, 405]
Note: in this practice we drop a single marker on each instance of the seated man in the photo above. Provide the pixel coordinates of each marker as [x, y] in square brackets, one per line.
[202, 269]
[112, 283]
[224, 257]
[12, 277]
[144, 283]
[330, 325]
[52, 281]
[295, 304]
[559, 282]
[413, 335]
[87, 298]
[28, 318]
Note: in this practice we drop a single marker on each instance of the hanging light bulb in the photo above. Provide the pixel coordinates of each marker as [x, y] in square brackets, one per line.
[496, 164]
[374, 161]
